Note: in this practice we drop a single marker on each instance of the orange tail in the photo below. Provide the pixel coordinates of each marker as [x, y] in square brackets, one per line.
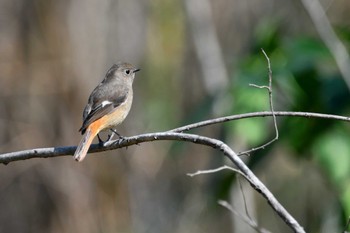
[84, 144]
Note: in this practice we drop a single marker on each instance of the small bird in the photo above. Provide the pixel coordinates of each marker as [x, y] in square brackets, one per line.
[108, 106]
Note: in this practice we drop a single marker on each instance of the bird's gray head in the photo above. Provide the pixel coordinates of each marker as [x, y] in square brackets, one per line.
[122, 72]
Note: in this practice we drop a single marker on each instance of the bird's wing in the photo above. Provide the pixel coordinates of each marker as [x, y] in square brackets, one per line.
[101, 103]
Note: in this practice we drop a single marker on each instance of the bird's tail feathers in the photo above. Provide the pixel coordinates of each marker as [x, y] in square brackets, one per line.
[84, 145]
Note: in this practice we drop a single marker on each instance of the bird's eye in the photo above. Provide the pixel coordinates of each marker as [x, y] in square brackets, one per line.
[127, 72]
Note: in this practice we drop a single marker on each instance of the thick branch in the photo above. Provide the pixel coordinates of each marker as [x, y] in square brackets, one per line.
[175, 135]
[69, 150]
[214, 143]
[261, 188]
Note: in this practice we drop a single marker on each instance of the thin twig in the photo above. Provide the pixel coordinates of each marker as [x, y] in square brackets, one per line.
[211, 171]
[269, 89]
[244, 200]
[247, 219]
[258, 114]
[250, 222]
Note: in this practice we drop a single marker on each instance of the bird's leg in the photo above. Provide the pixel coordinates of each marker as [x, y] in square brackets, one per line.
[115, 132]
[121, 138]
[110, 136]
[100, 141]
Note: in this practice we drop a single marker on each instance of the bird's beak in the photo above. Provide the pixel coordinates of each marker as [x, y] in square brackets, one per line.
[135, 70]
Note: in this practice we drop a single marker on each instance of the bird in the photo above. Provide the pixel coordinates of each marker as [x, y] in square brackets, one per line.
[108, 105]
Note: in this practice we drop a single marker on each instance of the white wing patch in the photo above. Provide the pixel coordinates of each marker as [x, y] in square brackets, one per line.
[105, 102]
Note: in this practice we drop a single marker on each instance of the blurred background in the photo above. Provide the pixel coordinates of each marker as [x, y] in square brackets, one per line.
[197, 59]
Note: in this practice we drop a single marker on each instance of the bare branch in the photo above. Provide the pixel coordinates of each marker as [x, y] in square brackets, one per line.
[69, 150]
[261, 188]
[269, 89]
[258, 114]
[244, 218]
[214, 143]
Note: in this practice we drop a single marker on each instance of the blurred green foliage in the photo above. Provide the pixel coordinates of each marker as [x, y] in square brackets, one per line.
[305, 78]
